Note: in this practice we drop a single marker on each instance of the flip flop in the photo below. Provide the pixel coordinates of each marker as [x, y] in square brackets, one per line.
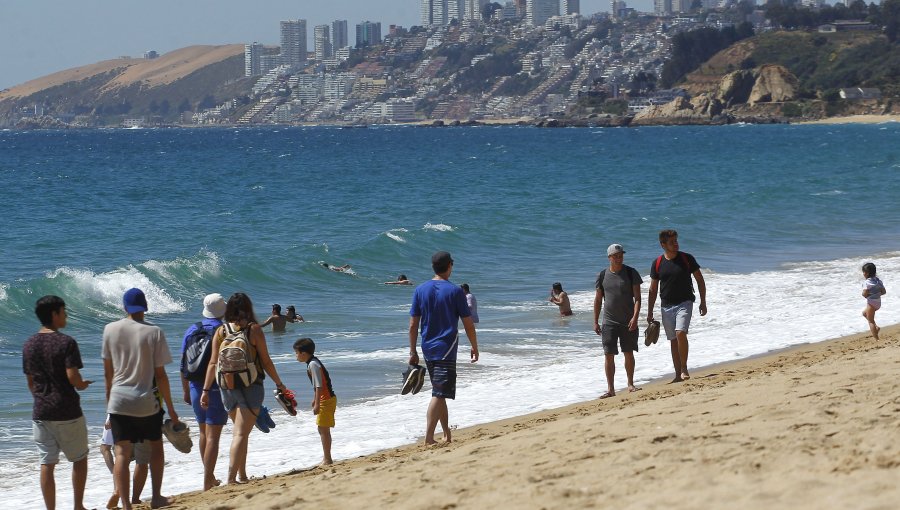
[420, 371]
[264, 420]
[410, 379]
[286, 399]
[607, 395]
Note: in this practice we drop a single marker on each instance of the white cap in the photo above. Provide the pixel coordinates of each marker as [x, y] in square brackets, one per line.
[613, 249]
[214, 306]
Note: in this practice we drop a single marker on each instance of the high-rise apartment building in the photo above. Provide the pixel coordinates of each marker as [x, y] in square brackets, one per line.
[252, 54]
[441, 12]
[293, 42]
[537, 12]
[616, 8]
[521, 8]
[339, 38]
[570, 7]
[368, 33]
[662, 7]
[322, 40]
[456, 9]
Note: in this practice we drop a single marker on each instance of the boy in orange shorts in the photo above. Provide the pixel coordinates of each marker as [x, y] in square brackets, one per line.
[325, 401]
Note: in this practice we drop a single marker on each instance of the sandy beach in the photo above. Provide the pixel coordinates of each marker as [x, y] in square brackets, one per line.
[856, 119]
[816, 426]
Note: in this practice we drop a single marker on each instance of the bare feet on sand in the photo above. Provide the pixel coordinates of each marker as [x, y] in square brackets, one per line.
[633, 388]
[685, 376]
[113, 501]
[161, 502]
[608, 394]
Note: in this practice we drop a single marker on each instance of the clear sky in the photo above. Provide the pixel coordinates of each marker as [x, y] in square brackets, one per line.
[39, 37]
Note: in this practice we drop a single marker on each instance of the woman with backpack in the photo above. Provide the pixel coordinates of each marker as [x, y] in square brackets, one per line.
[238, 363]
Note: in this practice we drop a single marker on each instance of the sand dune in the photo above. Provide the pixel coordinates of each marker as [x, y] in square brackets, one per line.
[159, 71]
[814, 427]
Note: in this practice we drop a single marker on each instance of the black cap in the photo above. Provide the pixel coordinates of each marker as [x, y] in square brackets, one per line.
[440, 261]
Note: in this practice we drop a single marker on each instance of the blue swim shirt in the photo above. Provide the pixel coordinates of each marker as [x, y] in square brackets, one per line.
[440, 304]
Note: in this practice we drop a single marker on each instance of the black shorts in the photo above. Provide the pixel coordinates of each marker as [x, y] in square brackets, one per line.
[443, 378]
[614, 334]
[136, 429]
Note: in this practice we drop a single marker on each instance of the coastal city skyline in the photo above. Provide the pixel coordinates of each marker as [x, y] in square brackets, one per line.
[95, 30]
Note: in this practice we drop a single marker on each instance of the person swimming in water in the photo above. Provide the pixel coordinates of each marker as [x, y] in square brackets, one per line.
[292, 315]
[340, 269]
[401, 280]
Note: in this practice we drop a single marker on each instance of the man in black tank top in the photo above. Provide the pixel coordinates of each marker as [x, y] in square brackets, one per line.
[670, 274]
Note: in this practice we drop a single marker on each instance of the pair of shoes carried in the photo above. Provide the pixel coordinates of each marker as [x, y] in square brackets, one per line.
[285, 397]
[651, 334]
[413, 379]
[179, 435]
[264, 422]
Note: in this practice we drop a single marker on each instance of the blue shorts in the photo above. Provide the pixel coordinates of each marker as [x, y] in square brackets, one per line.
[69, 437]
[443, 378]
[677, 318]
[215, 413]
[248, 398]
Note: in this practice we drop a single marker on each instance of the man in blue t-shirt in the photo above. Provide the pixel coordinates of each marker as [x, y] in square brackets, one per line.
[437, 307]
[671, 274]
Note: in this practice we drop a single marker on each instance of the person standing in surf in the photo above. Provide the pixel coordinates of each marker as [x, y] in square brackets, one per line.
[437, 307]
[560, 298]
[51, 362]
[213, 417]
[670, 275]
[135, 354]
[242, 393]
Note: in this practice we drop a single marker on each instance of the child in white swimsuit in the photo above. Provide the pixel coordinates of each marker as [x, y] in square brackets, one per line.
[873, 289]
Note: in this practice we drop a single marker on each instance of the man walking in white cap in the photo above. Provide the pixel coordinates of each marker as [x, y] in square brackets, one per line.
[620, 286]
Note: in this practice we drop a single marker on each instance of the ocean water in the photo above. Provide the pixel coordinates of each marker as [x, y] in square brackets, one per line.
[780, 218]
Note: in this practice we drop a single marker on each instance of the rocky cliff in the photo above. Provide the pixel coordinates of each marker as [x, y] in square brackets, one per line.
[765, 84]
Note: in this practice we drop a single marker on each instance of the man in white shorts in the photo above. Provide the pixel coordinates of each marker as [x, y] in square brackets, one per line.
[673, 269]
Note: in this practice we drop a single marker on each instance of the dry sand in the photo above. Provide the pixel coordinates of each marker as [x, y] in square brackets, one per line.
[163, 70]
[856, 119]
[813, 427]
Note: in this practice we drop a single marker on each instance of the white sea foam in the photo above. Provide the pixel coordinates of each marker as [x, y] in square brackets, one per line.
[4, 287]
[204, 265]
[108, 288]
[532, 369]
[395, 237]
[439, 227]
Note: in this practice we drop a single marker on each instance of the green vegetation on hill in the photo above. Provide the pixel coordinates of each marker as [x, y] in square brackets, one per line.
[826, 62]
[691, 49]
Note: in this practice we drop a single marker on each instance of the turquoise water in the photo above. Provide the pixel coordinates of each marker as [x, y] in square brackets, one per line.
[779, 217]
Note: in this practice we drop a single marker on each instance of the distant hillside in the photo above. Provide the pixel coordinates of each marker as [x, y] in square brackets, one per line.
[823, 63]
[180, 80]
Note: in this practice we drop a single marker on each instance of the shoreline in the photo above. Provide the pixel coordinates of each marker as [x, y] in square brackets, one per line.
[854, 119]
[544, 122]
[779, 427]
